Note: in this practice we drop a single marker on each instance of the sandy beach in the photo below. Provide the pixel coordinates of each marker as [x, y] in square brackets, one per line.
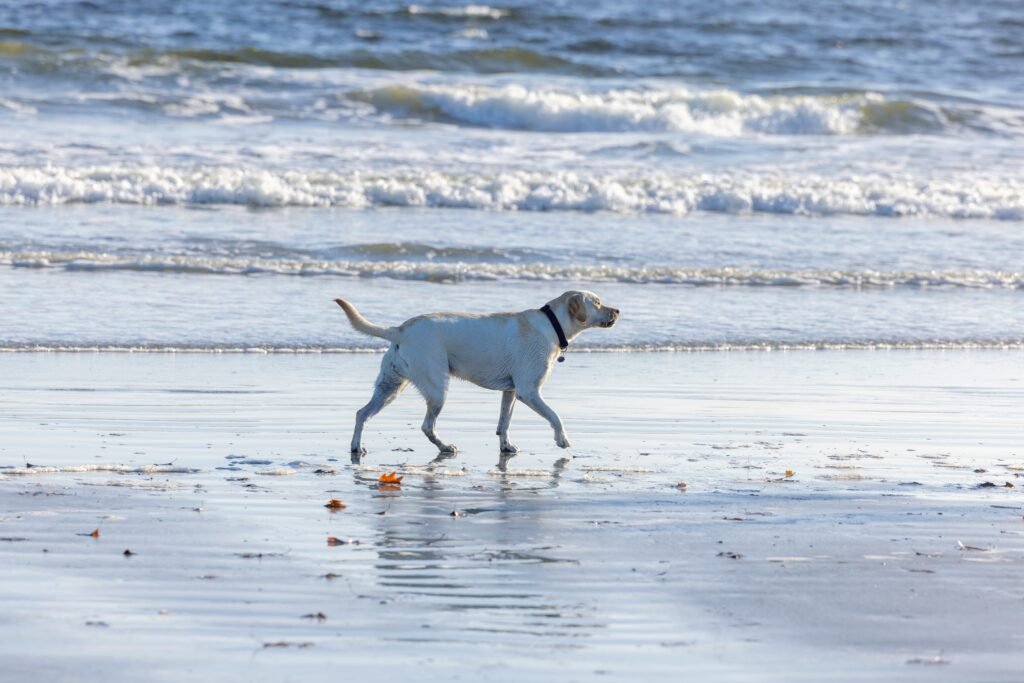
[846, 516]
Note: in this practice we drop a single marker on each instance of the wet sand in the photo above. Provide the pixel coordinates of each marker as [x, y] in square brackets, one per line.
[836, 522]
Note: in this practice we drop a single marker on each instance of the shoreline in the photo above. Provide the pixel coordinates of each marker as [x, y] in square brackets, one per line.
[970, 346]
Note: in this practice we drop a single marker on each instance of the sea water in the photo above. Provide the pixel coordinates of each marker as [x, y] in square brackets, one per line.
[207, 175]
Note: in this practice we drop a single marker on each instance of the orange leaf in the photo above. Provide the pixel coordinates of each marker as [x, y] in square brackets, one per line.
[681, 486]
[335, 541]
[95, 533]
[392, 478]
[335, 504]
[789, 473]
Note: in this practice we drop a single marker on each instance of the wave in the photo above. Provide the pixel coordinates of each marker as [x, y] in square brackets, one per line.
[717, 112]
[463, 271]
[484, 60]
[656, 106]
[45, 61]
[967, 195]
[1009, 344]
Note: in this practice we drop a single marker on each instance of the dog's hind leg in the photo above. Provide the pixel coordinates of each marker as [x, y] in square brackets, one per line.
[508, 401]
[434, 391]
[388, 386]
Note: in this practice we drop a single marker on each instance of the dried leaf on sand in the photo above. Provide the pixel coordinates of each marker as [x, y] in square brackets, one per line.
[335, 504]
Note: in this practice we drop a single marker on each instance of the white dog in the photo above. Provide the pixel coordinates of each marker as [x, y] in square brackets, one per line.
[509, 352]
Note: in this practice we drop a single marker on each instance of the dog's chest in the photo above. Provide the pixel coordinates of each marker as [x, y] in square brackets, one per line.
[495, 379]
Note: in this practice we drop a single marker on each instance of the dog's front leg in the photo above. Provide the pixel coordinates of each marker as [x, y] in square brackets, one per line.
[508, 401]
[533, 399]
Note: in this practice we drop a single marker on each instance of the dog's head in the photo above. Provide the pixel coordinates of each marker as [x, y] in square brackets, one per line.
[586, 310]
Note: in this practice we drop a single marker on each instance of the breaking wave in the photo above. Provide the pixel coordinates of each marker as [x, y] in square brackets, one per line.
[967, 195]
[463, 271]
[718, 112]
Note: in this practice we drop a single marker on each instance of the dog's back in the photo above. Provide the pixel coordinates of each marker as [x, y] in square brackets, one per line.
[482, 349]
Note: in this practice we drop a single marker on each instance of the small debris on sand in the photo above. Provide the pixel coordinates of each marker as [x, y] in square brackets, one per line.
[975, 548]
[929, 661]
[285, 643]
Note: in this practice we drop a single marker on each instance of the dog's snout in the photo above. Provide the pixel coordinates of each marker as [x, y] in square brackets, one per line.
[613, 316]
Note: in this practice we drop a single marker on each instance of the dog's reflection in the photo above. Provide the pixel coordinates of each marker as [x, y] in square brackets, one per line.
[504, 457]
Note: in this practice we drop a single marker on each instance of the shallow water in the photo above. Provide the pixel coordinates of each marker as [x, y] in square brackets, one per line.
[783, 175]
[235, 279]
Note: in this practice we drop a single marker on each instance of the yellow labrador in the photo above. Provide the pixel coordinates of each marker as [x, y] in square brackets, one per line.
[508, 352]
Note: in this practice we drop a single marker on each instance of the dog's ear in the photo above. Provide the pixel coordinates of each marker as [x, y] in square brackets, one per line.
[576, 308]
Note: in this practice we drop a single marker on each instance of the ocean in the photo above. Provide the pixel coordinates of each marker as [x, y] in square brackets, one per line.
[209, 175]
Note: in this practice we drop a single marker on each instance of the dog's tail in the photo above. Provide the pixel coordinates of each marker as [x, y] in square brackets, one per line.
[363, 325]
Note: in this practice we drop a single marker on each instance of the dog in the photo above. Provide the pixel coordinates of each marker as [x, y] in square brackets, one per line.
[508, 352]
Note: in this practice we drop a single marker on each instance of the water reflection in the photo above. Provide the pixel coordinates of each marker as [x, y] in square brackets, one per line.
[471, 558]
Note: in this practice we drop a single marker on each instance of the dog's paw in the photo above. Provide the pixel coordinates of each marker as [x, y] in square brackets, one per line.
[562, 441]
[358, 450]
[449, 448]
[509, 448]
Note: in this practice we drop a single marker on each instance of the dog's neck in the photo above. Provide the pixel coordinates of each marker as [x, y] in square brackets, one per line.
[563, 342]
[571, 327]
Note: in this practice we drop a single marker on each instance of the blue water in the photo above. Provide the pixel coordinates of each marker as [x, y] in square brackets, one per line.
[208, 175]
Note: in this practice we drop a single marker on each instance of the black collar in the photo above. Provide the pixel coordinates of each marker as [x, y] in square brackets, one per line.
[563, 343]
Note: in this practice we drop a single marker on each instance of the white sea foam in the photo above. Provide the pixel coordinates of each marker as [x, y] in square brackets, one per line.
[119, 469]
[526, 473]
[469, 11]
[17, 107]
[965, 195]
[462, 271]
[619, 470]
